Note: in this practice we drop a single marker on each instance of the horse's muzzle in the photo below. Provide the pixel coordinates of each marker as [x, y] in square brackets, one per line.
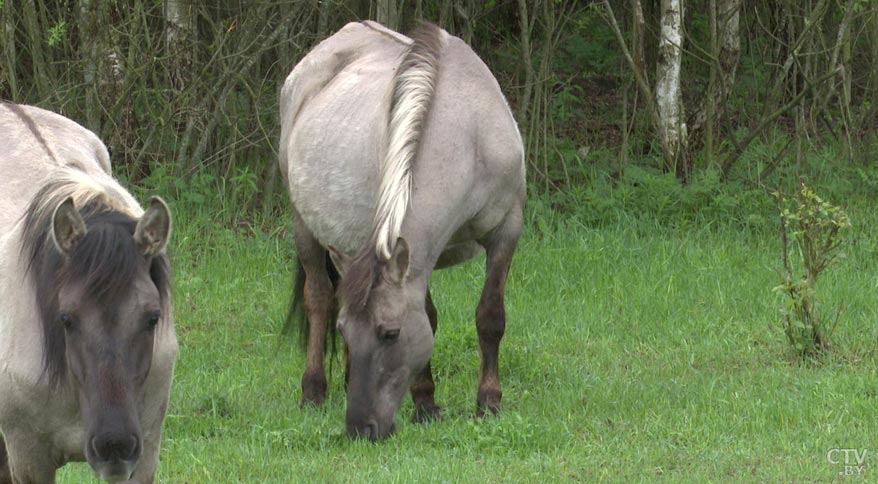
[369, 430]
[114, 457]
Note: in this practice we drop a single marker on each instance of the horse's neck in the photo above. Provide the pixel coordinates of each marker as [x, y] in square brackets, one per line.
[20, 333]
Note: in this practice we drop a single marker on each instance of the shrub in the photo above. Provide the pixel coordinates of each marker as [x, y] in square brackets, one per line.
[818, 231]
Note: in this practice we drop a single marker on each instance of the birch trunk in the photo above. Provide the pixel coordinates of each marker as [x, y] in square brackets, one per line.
[178, 31]
[324, 9]
[840, 63]
[88, 55]
[388, 14]
[10, 56]
[667, 89]
[868, 113]
[34, 45]
[526, 62]
[725, 64]
[643, 87]
[638, 27]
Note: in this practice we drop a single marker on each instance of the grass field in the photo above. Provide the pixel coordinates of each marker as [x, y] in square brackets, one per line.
[634, 352]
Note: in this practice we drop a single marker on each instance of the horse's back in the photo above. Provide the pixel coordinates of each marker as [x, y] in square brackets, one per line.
[470, 114]
[333, 124]
[36, 144]
[335, 107]
[471, 151]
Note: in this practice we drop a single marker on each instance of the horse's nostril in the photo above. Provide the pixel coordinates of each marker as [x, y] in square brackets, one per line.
[367, 431]
[94, 446]
[115, 447]
[135, 446]
[371, 432]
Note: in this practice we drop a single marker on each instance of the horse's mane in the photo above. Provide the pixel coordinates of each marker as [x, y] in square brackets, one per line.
[105, 260]
[413, 88]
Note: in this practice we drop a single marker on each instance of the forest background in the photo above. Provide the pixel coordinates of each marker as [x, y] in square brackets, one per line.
[665, 321]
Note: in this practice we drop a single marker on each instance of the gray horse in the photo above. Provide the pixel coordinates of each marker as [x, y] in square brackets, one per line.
[401, 156]
[87, 342]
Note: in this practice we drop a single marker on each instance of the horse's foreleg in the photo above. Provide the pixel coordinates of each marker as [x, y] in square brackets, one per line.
[491, 312]
[318, 305]
[28, 460]
[423, 389]
[149, 459]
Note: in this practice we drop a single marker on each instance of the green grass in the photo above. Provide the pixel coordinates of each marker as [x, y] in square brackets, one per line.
[634, 352]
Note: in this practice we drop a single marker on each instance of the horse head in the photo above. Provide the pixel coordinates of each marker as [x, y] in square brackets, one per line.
[387, 335]
[106, 289]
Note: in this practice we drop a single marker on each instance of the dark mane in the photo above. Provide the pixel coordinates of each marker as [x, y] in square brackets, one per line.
[361, 277]
[105, 261]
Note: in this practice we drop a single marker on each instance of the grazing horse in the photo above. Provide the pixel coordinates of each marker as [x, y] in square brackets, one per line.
[87, 342]
[401, 156]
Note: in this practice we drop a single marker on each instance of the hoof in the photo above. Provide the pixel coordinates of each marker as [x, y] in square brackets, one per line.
[313, 390]
[488, 403]
[426, 413]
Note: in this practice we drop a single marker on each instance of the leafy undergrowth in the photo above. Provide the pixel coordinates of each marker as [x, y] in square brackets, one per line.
[636, 350]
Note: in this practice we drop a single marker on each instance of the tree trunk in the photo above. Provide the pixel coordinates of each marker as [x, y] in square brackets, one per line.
[840, 62]
[667, 89]
[178, 32]
[34, 45]
[638, 27]
[641, 82]
[388, 14]
[92, 52]
[725, 63]
[323, 12]
[711, 109]
[868, 114]
[9, 55]
[465, 15]
[526, 62]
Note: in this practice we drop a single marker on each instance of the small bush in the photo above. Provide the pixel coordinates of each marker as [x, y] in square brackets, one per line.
[818, 231]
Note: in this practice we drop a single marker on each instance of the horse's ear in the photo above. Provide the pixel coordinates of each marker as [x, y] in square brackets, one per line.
[154, 228]
[339, 259]
[68, 228]
[398, 265]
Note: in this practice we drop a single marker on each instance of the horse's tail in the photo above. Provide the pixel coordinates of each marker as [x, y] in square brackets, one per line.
[413, 87]
[296, 317]
[296, 313]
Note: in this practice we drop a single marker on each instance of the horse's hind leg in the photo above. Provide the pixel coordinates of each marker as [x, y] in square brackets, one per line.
[423, 389]
[5, 473]
[318, 306]
[491, 312]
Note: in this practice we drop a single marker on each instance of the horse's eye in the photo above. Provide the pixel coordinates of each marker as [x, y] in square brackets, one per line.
[388, 335]
[153, 319]
[66, 319]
